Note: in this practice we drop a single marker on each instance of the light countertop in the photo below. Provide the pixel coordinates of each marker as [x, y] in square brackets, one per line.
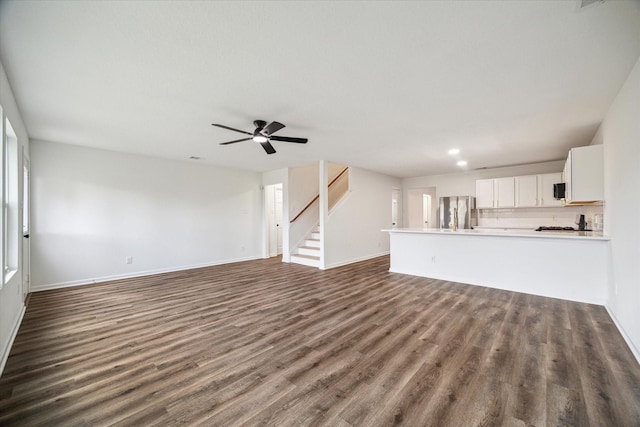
[506, 232]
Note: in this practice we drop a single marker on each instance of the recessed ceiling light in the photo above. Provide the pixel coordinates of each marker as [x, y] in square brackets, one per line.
[462, 163]
[454, 151]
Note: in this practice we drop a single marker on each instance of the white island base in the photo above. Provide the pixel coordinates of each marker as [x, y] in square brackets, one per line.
[566, 266]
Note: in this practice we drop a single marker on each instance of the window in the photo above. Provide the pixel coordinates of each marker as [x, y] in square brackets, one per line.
[4, 205]
[10, 220]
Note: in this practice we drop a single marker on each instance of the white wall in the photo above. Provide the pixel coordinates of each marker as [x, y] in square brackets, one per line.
[93, 208]
[620, 134]
[11, 301]
[464, 183]
[303, 186]
[352, 231]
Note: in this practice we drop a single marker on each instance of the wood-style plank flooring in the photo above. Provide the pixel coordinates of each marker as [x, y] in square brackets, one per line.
[270, 343]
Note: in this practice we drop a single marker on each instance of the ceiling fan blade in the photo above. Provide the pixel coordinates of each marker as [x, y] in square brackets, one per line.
[237, 140]
[268, 147]
[289, 139]
[235, 130]
[272, 127]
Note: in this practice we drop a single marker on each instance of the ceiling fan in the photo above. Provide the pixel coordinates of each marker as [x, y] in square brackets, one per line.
[263, 135]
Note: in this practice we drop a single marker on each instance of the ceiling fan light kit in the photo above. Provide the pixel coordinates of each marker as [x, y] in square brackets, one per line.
[263, 134]
[260, 138]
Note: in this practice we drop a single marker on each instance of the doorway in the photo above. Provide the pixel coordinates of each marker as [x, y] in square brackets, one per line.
[26, 245]
[422, 207]
[426, 210]
[396, 207]
[273, 211]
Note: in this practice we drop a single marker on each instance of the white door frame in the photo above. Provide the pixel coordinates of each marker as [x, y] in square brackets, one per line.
[26, 225]
[273, 219]
[426, 210]
[396, 207]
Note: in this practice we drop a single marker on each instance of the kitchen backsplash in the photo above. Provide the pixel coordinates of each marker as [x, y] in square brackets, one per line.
[535, 217]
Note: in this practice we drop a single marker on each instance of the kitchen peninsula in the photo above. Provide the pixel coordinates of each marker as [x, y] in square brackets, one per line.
[571, 266]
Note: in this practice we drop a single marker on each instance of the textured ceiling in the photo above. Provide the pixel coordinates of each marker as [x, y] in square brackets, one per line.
[387, 86]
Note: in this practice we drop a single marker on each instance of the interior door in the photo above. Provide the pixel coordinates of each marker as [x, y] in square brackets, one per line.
[274, 214]
[426, 210]
[26, 227]
[396, 207]
[278, 216]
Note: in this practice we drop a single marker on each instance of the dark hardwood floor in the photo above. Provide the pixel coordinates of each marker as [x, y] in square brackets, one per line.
[268, 343]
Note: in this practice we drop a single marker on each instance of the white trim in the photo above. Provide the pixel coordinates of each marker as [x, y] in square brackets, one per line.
[363, 258]
[626, 337]
[59, 285]
[14, 333]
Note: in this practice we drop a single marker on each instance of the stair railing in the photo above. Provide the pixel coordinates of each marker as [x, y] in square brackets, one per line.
[308, 205]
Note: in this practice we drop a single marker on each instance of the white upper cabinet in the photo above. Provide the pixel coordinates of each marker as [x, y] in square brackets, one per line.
[495, 193]
[584, 175]
[527, 191]
[484, 193]
[505, 192]
[545, 189]
[537, 190]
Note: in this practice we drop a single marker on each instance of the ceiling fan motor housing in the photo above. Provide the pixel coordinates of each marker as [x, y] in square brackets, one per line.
[263, 135]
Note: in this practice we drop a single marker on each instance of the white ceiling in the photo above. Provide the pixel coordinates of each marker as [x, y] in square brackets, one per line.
[387, 86]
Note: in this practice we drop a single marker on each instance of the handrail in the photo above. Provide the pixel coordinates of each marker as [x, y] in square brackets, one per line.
[318, 195]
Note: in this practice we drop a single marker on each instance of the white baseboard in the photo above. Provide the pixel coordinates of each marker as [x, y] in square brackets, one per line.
[46, 287]
[12, 337]
[626, 337]
[351, 261]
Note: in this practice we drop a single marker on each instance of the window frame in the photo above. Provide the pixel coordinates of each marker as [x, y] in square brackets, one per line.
[10, 200]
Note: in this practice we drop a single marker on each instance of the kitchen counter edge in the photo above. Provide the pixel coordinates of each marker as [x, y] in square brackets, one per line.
[580, 235]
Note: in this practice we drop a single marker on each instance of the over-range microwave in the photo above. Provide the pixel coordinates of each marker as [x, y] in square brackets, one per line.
[559, 190]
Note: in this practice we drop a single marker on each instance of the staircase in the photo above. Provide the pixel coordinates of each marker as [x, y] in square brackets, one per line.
[309, 252]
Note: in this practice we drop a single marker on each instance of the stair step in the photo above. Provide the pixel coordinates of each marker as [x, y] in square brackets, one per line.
[313, 257]
[314, 243]
[309, 260]
[308, 250]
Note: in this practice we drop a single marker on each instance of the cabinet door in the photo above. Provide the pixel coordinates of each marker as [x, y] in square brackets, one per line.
[545, 189]
[527, 191]
[587, 172]
[505, 192]
[567, 179]
[484, 193]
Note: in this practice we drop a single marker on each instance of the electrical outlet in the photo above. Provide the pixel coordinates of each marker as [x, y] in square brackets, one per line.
[433, 259]
[242, 248]
[128, 260]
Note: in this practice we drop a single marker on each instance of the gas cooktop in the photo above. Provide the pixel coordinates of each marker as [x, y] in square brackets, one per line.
[553, 228]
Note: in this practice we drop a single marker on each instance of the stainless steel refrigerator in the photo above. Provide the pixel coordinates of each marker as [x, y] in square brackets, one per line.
[461, 207]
